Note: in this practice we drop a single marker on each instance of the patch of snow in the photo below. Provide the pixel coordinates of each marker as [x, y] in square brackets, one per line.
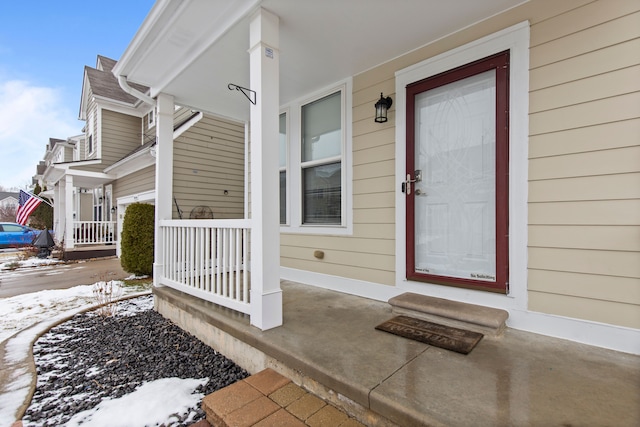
[22, 311]
[152, 403]
[30, 262]
[134, 277]
[25, 317]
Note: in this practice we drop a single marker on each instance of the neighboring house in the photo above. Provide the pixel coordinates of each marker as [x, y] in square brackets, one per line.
[8, 205]
[93, 177]
[8, 199]
[507, 174]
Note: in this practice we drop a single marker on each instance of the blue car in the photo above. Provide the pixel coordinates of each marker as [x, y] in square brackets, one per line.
[13, 235]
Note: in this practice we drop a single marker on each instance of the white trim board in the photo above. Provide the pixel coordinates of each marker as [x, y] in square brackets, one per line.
[359, 288]
[139, 197]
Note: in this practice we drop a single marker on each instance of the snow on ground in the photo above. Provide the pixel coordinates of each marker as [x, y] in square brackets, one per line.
[13, 261]
[153, 402]
[177, 397]
[24, 310]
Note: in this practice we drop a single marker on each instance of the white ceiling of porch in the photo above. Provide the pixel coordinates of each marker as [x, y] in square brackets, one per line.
[193, 49]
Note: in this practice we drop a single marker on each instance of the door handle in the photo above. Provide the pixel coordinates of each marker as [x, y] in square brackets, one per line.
[406, 185]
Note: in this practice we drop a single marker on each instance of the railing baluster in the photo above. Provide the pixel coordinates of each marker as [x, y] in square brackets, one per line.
[93, 232]
[174, 250]
[163, 233]
[230, 272]
[218, 261]
[206, 258]
[201, 258]
[236, 267]
[245, 261]
[225, 260]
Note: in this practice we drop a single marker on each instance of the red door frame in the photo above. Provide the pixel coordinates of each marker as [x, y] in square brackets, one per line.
[500, 63]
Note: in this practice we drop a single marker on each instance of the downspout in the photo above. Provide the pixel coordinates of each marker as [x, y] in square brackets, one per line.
[124, 84]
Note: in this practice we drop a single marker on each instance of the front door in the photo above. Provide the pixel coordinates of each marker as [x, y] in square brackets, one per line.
[457, 176]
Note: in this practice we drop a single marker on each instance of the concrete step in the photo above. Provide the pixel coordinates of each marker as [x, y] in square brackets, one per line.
[485, 320]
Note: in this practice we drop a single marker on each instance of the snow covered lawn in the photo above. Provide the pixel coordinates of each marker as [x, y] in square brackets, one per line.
[26, 316]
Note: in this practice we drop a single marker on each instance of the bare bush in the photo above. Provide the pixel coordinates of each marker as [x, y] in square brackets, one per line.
[106, 294]
[8, 213]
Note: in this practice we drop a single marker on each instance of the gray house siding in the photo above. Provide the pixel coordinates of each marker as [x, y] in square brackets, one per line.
[209, 161]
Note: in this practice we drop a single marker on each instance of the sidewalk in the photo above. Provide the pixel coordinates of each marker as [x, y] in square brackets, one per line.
[329, 346]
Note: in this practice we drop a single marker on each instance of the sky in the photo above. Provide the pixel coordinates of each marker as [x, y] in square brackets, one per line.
[44, 47]
[153, 402]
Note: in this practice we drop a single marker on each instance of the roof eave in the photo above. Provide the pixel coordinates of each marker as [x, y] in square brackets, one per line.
[155, 32]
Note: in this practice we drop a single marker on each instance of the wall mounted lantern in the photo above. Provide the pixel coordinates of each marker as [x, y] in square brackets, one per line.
[114, 209]
[382, 106]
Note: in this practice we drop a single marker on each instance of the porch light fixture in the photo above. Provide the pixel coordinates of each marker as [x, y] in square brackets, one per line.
[114, 209]
[382, 106]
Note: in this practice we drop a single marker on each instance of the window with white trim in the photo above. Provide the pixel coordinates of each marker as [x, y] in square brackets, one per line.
[151, 118]
[321, 160]
[283, 142]
[315, 180]
[90, 145]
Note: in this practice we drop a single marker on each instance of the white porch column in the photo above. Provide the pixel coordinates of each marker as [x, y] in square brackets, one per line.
[164, 174]
[266, 295]
[68, 212]
[58, 223]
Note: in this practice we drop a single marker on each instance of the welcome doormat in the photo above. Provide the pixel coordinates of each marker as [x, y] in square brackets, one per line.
[454, 339]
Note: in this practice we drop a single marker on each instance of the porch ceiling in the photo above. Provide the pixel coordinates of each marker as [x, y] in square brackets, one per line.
[85, 179]
[193, 49]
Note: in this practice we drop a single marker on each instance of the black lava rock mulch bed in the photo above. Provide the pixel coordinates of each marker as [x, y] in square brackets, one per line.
[92, 357]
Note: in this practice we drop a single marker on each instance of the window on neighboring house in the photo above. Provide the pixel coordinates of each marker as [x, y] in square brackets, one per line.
[151, 118]
[283, 168]
[90, 142]
[321, 160]
[98, 200]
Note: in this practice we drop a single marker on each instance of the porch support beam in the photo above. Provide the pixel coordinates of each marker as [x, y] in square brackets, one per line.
[58, 223]
[164, 175]
[68, 212]
[266, 295]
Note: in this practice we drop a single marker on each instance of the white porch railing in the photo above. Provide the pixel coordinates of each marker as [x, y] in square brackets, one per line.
[94, 232]
[208, 259]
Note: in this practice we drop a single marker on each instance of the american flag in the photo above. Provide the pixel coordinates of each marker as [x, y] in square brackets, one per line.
[27, 203]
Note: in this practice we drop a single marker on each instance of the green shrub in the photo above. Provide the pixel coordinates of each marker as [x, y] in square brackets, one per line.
[137, 239]
[42, 216]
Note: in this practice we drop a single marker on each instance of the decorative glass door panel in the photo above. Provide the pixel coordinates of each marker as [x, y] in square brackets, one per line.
[452, 184]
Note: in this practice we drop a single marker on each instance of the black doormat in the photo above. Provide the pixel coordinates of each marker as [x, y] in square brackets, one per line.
[458, 340]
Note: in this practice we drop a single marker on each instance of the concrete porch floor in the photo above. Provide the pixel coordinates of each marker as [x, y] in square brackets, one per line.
[329, 346]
